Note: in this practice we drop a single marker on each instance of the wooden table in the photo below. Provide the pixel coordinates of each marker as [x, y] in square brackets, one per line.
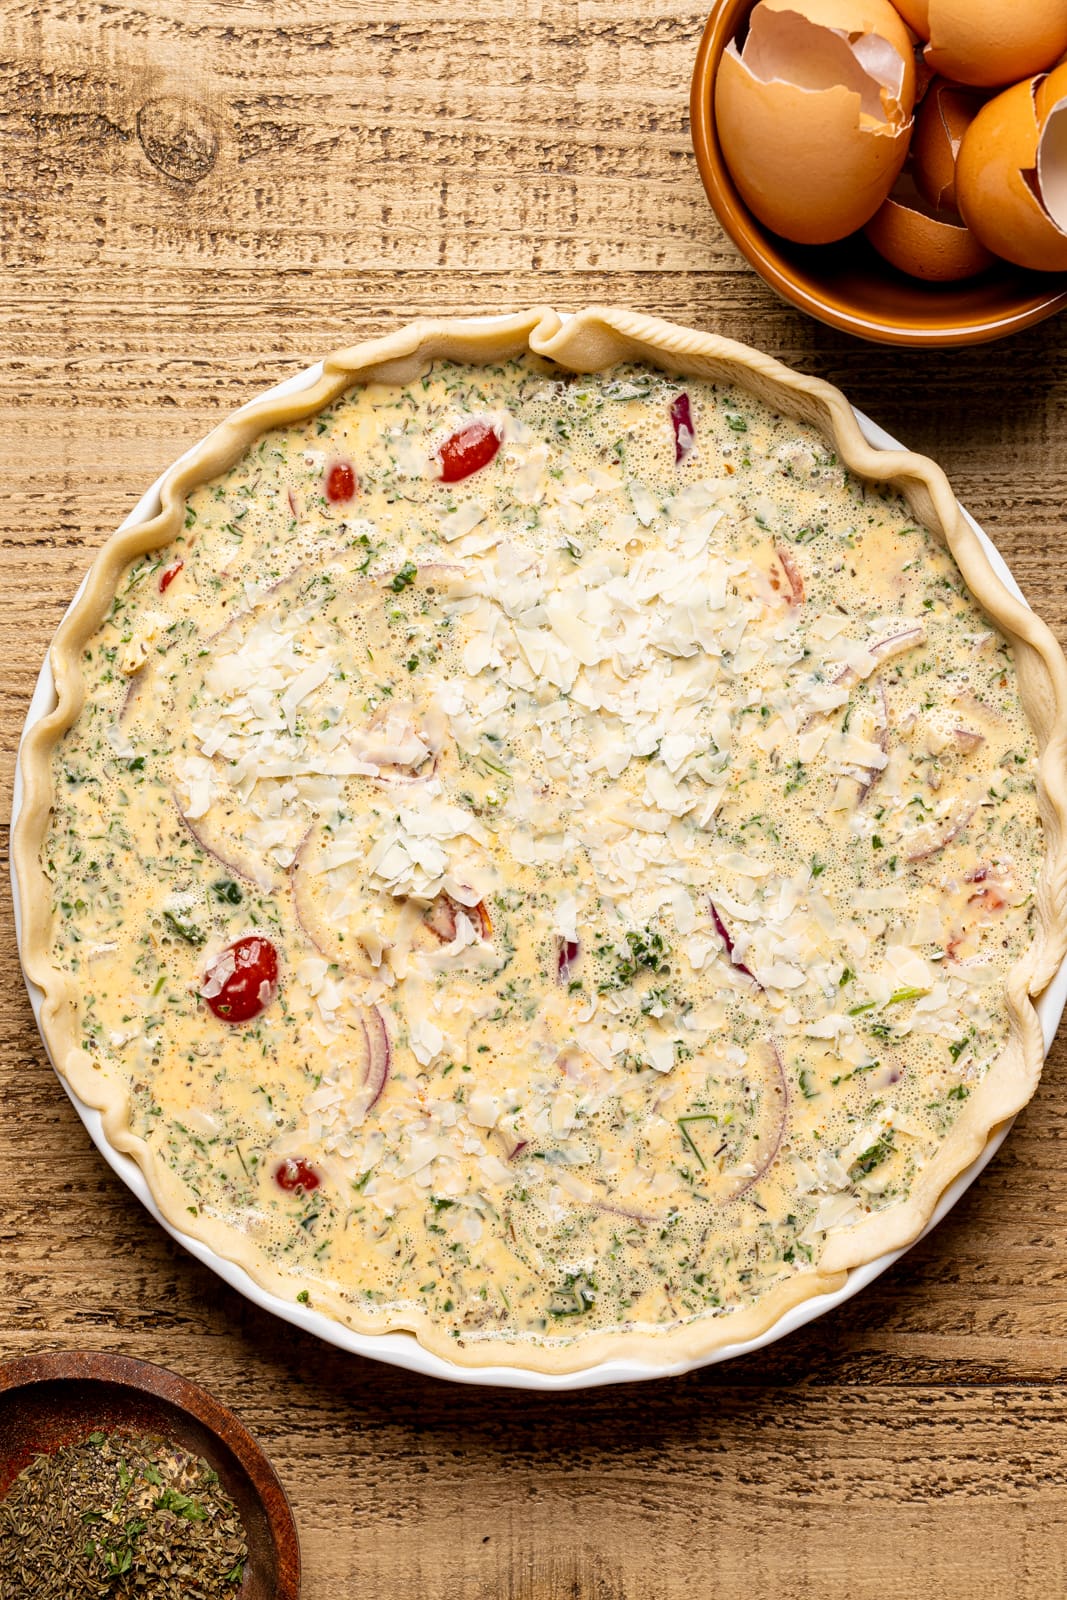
[198, 198]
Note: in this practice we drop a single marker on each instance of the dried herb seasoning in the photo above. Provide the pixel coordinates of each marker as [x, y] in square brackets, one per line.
[117, 1516]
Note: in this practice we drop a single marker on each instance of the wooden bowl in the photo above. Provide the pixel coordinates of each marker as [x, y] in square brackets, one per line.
[847, 284]
[47, 1401]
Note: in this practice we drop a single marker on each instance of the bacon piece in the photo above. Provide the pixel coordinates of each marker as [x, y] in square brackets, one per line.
[988, 899]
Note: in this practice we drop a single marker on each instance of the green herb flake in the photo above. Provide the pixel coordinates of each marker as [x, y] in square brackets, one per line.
[872, 1157]
[404, 578]
[184, 930]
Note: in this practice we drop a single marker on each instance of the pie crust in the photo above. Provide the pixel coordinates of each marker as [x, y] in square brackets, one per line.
[589, 341]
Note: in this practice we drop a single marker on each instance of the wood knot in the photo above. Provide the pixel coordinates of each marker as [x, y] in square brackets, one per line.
[178, 137]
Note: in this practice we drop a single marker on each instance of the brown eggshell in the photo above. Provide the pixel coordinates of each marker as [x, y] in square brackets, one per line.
[934, 248]
[1050, 90]
[989, 42]
[916, 15]
[996, 175]
[813, 163]
[1051, 101]
[946, 113]
[857, 17]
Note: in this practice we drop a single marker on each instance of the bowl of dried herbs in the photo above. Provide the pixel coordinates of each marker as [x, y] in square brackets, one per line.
[121, 1479]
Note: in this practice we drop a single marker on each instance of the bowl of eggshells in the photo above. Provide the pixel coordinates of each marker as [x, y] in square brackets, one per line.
[897, 168]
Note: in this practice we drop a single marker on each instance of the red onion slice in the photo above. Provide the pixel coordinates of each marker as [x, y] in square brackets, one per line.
[297, 887]
[393, 725]
[567, 953]
[258, 880]
[724, 934]
[897, 643]
[645, 1218]
[781, 1088]
[882, 741]
[952, 832]
[402, 775]
[682, 423]
[381, 745]
[379, 1054]
[314, 916]
[793, 573]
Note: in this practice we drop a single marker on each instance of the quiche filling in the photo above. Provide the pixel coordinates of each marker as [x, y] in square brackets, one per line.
[543, 851]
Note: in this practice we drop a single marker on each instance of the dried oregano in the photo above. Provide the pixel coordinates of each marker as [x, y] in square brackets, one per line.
[117, 1516]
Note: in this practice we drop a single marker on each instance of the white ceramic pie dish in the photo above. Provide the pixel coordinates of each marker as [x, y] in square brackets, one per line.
[402, 1349]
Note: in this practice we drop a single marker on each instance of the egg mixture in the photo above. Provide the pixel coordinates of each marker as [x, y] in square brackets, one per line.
[543, 853]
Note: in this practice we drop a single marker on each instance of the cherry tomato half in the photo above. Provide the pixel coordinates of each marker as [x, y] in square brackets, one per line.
[247, 965]
[168, 575]
[296, 1173]
[467, 451]
[340, 482]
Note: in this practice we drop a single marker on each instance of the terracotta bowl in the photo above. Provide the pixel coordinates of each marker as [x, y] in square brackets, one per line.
[48, 1401]
[848, 284]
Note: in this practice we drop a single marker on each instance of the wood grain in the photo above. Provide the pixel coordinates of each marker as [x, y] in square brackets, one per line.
[197, 200]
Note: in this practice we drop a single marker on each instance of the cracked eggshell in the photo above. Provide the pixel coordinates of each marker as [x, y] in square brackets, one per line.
[1011, 174]
[814, 115]
[862, 17]
[936, 247]
[946, 113]
[988, 42]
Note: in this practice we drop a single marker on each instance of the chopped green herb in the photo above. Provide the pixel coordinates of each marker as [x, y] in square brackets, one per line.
[406, 576]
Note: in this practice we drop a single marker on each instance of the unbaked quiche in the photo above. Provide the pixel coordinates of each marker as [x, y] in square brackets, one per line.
[548, 842]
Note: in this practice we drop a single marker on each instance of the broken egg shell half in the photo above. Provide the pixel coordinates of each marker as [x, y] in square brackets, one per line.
[946, 112]
[912, 237]
[858, 18]
[988, 42]
[1051, 89]
[810, 122]
[1011, 174]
